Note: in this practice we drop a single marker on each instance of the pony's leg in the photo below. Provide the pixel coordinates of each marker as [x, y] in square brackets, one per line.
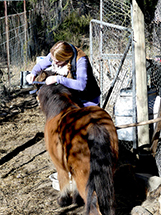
[69, 193]
[81, 179]
[94, 207]
[64, 198]
[76, 198]
[54, 148]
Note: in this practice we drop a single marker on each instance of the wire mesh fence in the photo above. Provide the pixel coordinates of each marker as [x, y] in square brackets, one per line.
[108, 43]
[19, 33]
[108, 61]
[111, 37]
[23, 44]
[153, 32]
[24, 38]
[112, 55]
[117, 12]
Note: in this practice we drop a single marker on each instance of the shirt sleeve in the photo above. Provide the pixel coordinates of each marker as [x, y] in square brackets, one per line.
[41, 65]
[81, 76]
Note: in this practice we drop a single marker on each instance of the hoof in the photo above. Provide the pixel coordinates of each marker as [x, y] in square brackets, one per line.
[64, 201]
[77, 199]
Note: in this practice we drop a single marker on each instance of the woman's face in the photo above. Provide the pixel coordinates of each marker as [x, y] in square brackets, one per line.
[58, 63]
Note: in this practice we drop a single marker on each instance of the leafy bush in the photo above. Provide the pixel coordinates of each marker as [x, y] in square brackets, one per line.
[74, 29]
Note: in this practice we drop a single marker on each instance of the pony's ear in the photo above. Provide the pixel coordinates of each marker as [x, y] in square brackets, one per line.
[42, 76]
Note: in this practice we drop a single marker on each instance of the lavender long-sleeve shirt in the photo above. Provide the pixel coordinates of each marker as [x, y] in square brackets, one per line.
[77, 84]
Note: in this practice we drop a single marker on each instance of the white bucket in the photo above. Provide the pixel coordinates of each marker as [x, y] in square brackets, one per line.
[156, 108]
[123, 111]
[55, 182]
[23, 82]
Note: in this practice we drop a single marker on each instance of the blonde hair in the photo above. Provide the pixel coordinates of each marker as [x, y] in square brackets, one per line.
[62, 51]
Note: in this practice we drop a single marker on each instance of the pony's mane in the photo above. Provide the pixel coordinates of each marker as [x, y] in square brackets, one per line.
[56, 98]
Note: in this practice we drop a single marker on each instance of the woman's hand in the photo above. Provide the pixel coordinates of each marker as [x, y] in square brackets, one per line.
[51, 79]
[30, 78]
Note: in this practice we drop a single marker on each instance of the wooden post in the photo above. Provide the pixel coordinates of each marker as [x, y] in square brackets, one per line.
[141, 76]
[7, 42]
[100, 53]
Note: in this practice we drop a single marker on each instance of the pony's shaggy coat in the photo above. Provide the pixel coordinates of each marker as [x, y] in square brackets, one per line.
[82, 141]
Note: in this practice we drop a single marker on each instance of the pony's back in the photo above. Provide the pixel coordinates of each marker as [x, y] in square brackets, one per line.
[56, 98]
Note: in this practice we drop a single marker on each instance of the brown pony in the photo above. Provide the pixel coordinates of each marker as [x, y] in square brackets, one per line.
[82, 141]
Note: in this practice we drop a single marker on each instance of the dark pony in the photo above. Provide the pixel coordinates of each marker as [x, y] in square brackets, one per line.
[81, 141]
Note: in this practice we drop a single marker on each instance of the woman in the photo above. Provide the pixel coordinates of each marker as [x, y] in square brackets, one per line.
[71, 62]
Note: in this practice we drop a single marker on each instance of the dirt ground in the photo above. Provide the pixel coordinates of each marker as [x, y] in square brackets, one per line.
[25, 166]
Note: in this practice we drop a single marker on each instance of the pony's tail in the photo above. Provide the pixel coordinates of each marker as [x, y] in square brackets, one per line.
[100, 180]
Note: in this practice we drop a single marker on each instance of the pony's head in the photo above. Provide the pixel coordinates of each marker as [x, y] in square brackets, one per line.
[44, 74]
[40, 80]
[55, 98]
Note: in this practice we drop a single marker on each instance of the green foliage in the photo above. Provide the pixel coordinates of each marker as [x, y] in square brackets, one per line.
[14, 7]
[73, 29]
[148, 8]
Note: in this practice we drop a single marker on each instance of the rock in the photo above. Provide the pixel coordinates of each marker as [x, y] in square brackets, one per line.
[140, 211]
[154, 183]
[152, 204]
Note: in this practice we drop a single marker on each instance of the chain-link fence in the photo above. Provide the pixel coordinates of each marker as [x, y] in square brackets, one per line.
[24, 45]
[108, 42]
[116, 12]
[19, 48]
[112, 58]
[26, 36]
[112, 64]
[111, 55]
[153, 32]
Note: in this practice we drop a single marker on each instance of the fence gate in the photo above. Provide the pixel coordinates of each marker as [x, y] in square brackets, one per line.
[111, 56]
